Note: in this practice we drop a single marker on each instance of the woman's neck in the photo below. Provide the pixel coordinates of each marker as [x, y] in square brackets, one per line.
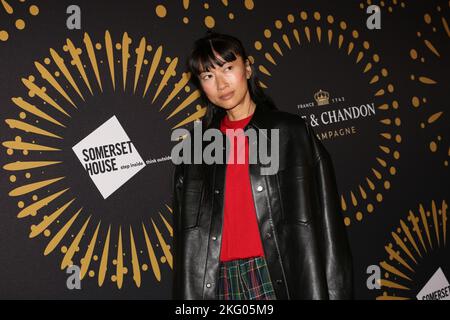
[242, 111]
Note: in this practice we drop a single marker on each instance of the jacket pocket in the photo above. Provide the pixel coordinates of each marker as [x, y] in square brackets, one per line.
[295, 186]
[192, 200]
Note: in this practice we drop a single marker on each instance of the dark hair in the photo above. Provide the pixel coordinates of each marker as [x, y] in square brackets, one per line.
[227, 47]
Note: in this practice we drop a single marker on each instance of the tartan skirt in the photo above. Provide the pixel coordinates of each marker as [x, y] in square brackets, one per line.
[245, 279]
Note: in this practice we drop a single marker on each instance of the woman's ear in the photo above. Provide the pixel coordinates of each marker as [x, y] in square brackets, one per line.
[248, 69]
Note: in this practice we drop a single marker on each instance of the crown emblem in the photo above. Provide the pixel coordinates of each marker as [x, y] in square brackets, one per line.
[322, 97]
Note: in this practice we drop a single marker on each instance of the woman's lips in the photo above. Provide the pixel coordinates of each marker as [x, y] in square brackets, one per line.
[227, 96]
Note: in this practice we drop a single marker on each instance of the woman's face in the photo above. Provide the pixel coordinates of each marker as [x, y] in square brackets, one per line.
[226, 86]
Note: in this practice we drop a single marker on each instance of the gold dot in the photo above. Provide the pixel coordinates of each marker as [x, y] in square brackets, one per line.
[343, 25]
[125, 270]
[290, 18]
[399, 230]
[149, 48]
[161, 11]
[396, 155]
[206, 6]
[210, 22]
[390, 88]
[330, 19]
[413, 77]
[370, 207]
[317, 16]
[21, 204]
[144, 267]
[395, 104]
[163, 259]
[267, 33]
[278, 24]
[186, 20]
[415, 102]
[249, 4]
[63, 249]
[98, 46]
[114, 262]
[161, 72]
[57, 73]
[95, 257]
[25, 152]
[387, 185]
[12, 178]
[392, 171]
[10, 152]
[168, 59]
[258, 45]
[20, 24]
[34, 10]
[398, 122]
[47, 61]
[347, 221]
[91, 273]
[427, 18]
[366, 45]
[413, 54]
[433, 146]
[359, 216]
[113, 278]
[376, 58]
[422, 125]
[22, 115]
[439, 138]
[303, 15]
[398, 138]
[386, 275]
[355, 34]
[34, 197]
[118, 46]
[3, 35]
[379, 197]
[47, 233]
[27, 175]
[446, 163]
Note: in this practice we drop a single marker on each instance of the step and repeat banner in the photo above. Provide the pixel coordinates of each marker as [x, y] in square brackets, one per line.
[90, 92]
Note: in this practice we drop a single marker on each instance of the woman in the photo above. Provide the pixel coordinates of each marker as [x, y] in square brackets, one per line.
[239, 234]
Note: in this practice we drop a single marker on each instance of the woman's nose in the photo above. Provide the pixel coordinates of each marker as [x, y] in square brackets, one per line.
[221, 82]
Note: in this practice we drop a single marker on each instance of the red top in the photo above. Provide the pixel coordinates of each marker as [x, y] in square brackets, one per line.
[240, 236]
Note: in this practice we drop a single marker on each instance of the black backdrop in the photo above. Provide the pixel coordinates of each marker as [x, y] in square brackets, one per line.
[390, 149]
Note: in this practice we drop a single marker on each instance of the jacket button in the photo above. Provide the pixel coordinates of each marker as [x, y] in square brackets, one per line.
[279, 281]
[214, 238]
[217, 191]
[208, 285]
[259, 188]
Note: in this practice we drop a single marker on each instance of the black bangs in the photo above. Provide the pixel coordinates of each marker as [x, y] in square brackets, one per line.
[204, 55]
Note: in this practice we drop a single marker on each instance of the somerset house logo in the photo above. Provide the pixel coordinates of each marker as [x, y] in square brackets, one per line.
[437, 288]
[109, 157]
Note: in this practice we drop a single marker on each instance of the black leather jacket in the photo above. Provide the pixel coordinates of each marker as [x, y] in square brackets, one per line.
[298, 213]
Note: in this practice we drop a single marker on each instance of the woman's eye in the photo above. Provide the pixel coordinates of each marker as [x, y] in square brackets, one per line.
[228, 67]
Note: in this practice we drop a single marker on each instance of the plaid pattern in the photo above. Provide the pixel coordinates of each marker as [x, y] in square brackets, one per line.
[245, 279]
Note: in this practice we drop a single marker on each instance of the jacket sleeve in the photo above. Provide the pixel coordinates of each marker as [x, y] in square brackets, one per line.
[177, 247]
[335, 246]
